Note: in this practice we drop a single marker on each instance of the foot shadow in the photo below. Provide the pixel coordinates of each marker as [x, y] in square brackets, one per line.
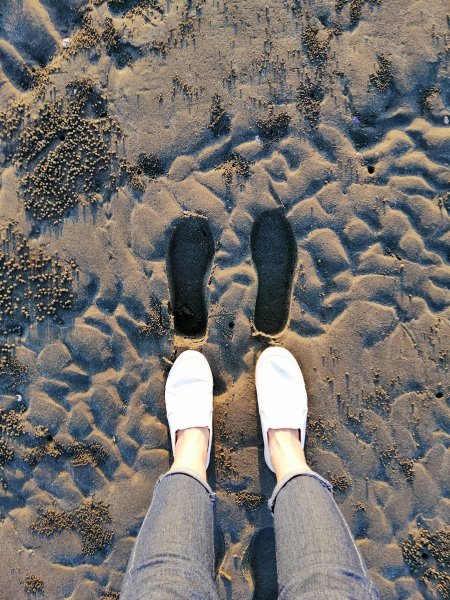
[263, 565]
[274, 253]
[191, 251]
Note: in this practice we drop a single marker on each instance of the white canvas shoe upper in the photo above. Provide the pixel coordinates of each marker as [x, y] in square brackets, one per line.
[281, 393]
[189, 395]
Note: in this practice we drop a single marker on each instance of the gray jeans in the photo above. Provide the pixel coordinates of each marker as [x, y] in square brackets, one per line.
[173, 557]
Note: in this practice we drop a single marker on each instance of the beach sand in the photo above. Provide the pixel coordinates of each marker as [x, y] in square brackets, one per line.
[148, 146]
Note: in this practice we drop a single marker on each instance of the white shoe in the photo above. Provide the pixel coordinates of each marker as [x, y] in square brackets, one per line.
[189, 395]
[281, 393]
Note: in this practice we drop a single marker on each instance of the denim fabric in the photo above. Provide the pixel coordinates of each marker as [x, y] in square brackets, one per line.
[316, 554]
[173, 558]
[280, 485]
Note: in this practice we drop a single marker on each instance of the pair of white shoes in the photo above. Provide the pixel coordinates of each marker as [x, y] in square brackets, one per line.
[280, 389]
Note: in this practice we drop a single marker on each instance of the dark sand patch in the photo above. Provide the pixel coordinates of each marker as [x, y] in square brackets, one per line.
[34, 286]
[219, 122]
[34, 584]
[428, 555]
[263, 565]
[87, 520]
[190, 255]
[274, 126]
[274, 254]
[12, 371]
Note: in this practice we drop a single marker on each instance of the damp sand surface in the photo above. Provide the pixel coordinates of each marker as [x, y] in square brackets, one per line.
[222, 176]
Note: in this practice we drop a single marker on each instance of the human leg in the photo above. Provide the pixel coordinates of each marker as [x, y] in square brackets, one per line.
[173, 557]
[316, 554]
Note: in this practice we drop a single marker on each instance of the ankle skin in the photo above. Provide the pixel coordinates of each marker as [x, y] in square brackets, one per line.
[286, 452]
[191, 449]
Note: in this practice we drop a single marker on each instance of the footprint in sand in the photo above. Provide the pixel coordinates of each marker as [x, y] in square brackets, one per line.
[190, 256]
[274, 253]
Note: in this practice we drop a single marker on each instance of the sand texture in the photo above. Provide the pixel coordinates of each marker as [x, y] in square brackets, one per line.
[222, 176]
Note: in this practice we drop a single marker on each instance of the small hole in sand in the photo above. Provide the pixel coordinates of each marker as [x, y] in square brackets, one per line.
[371, 169]
[424, 555]
[62, 137]
[50, 437]
[231, 324]
[439, 394]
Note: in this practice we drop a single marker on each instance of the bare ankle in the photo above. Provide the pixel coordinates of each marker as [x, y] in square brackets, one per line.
[286, 452]
[191, 450]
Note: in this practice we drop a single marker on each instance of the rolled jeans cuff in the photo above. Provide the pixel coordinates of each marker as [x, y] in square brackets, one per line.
[299, 473]
[194, 475]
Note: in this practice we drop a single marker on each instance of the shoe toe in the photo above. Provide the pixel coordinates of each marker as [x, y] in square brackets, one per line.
[277, 371]
[190, 371]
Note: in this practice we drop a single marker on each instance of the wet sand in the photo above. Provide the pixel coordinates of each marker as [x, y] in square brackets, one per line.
[222, 176]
